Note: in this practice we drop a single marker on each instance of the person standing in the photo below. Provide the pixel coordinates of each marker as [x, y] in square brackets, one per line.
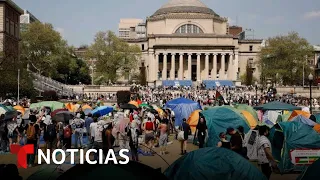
[33, 134]
[265, 158]
[133, 134]
[186, 131]
[78, 125]
[67, 136]
[92, 133]
[87, 123]
[235, 140]
[107, 139]
[163, 139]
[149, 128]
[13, 131]
[202, 132]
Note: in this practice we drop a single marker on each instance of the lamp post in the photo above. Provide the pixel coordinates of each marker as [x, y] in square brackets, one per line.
[310, 83]
[256, 84]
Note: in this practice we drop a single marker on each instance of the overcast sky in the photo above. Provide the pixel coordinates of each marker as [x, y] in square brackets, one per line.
[79, 20]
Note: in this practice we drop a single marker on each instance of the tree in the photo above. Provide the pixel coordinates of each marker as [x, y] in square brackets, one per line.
[286, 55]
[114, 56]
[143, 77]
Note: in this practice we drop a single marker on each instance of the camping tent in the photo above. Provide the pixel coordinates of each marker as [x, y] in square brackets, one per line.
[182, 108]
[276, 105]
[219, 119]
[213, 163]
[312, 172]
[52, 104]
[252, 122]
[193, 120]
[245, 107]
[289, 139]
[299, 112]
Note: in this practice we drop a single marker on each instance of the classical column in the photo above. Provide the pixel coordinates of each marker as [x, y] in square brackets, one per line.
[173, 68]
[181, 67]
[164, 69]
[223, 67]
[198, 67]
[236, 65]
[156, 67]
[231, 69]
[189, 66]
[214, 68]
[206, 67]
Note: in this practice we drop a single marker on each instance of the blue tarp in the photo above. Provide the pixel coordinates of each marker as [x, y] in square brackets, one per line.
[182, 108]
[102, 110]
[210, 84]
[177, 83]
[219, 119]
[213, 163]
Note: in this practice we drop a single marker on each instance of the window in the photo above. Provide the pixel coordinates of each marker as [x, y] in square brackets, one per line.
[16, 31]
[250, 62]
[11, 28]
[7, 25]
[189, 28]
[250, 48]
[142, 46]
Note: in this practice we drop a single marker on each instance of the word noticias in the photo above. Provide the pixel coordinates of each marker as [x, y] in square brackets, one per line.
[84, 156]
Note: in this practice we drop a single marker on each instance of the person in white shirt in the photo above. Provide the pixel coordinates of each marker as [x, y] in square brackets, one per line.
[265, 158]
[93, 126]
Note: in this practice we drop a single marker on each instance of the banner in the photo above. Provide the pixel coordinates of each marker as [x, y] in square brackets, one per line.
[304, 156]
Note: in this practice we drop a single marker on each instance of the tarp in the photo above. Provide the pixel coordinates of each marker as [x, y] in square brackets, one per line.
[219, 119]
[295, 135]
[213, 163]
[252, 122]
[276, 105]
[177, 83]
[299, 112]
[182, 108]
[248, 108]
[193, 120]
[210, 84]
[53, 105]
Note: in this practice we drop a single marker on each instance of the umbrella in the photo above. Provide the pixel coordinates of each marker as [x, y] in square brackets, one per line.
[102, 110]
[20, 108]
[132, 170]
[276, 105]
[8, 111]
[153, 111]
[135, 103]
[63, 116]
[53, 105]
[87, 111]
[58, 110]
[128, 106]
[86, 107]
[146, 106]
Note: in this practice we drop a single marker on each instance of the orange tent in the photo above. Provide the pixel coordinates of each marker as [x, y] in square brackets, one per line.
[86, 107]
[317, 128]
[193, 120]
[20, 108]
[299, 112]
[250, 119]
[71, 107]
[134, 103]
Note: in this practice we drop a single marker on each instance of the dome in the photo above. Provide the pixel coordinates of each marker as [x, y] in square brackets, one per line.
[184, 6]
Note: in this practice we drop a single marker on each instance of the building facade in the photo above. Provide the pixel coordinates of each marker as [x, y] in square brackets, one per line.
[9, 33]
[188, 42]
[27, 18]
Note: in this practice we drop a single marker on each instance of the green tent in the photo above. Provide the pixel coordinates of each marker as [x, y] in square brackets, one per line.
[276, 105]
[289, 137]
[317, 117]
[213, 163]
[219, 119]
[53, 105]
[245, 107]
[8, 111]
[285, 117]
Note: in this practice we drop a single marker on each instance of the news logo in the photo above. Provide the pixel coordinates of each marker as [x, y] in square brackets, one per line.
[52, 157]
[22, 152]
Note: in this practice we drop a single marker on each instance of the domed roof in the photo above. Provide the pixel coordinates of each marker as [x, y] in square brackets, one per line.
[184, 6]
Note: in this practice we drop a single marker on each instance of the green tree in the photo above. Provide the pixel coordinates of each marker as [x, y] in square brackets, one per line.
[114, 57]
[286, 55]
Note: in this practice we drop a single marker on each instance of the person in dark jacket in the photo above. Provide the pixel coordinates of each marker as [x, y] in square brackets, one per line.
[187, 130]
[201, 132]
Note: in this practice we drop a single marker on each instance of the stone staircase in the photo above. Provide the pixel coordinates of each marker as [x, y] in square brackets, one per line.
[42, 83]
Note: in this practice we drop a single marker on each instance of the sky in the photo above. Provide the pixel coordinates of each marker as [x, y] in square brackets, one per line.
[79, 20]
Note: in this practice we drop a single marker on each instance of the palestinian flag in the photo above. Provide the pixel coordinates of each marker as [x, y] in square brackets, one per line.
[219, 96]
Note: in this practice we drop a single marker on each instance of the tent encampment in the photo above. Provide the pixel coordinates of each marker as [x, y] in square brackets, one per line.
[299, 112]
[219, 119]
[193, 120]
[245, 107]
[276, 105]
[182, 108]
[291, 139]
[213, 163]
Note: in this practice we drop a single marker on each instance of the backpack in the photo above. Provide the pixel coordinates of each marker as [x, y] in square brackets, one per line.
[31, 132]
[67, 132]
[51, 131]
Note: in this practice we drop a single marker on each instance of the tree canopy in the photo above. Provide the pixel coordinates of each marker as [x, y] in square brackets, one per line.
[287, 56]
[114, 56]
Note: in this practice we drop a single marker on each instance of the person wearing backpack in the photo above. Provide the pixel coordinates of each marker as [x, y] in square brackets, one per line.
[51, 132]
[78, 125]
[32, 131]
[67, 134]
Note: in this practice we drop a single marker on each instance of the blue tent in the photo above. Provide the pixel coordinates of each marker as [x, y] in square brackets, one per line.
[317, 117]
[219, 119]
[304, 120]
[287, 137]
[182, 108]
[102, 110]
[213, 163]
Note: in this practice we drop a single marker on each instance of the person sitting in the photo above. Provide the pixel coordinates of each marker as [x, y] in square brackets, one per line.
[223, 141]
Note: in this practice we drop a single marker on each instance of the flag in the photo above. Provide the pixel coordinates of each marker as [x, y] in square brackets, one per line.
[219, 96]
[139, 101]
